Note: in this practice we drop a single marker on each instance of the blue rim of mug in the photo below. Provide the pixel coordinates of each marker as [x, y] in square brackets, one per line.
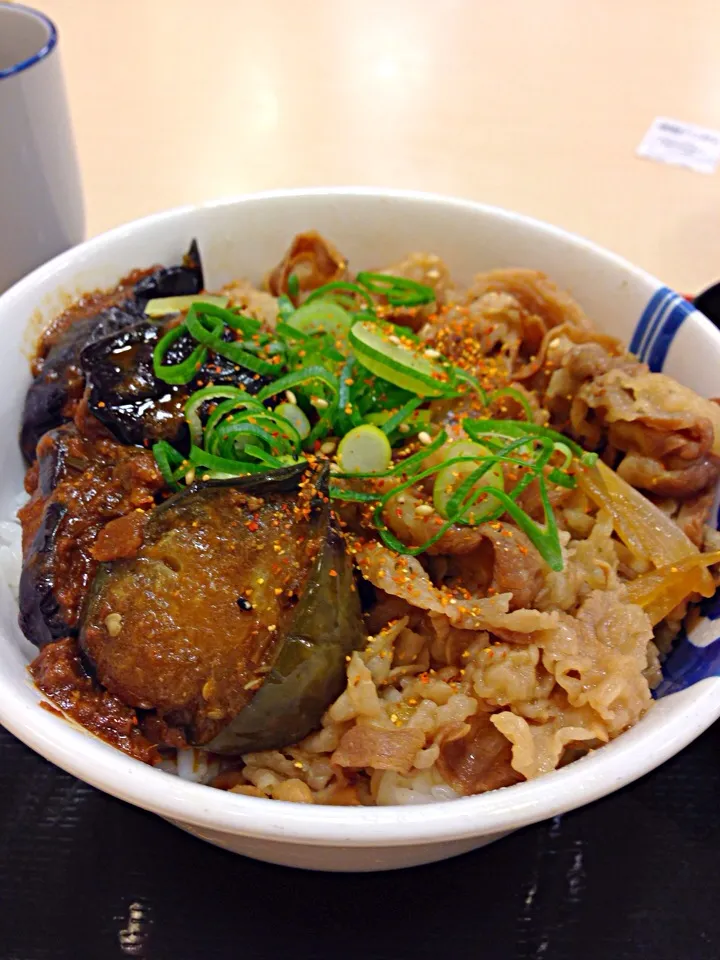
[43, 52]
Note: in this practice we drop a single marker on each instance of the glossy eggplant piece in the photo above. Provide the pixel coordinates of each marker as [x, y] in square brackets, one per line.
[40, 616]
[176, 281]
[81, 486]
[61, 380]
[131, 401]
[234, 620]
[309, 670]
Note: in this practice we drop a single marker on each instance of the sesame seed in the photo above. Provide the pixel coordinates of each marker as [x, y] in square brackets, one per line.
[113, 622]
[424, 510]
[328, 447]
[393, 339]
[432, 354]
[290, 397]
[404, 428]
[319, 403]
[424, 437]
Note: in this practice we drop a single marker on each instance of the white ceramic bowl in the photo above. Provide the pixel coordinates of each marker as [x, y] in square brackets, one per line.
[372, 227]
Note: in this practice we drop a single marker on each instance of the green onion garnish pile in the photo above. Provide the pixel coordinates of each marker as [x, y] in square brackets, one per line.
[335, 367]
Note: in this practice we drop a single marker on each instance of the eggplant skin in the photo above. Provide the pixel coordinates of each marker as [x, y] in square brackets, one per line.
[234, 620]
[60, 379]
[40, 616]
[179, 281]
[80, 486]
[136, 406]
[309, 671]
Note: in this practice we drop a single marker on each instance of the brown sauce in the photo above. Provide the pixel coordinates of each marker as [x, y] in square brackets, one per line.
[59, 673]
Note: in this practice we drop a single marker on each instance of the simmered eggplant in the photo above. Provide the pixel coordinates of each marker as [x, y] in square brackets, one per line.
[176, 281]
[60, 379]
[131, 401]
[81, 486]
[234, 619]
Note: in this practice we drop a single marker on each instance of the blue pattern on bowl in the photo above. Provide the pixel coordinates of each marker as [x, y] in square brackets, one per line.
[660, 321]
[688, 662]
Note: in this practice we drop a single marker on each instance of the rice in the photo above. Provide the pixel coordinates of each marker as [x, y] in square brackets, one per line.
[11, 546]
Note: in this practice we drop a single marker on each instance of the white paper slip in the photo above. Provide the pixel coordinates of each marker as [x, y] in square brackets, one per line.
[681, 144]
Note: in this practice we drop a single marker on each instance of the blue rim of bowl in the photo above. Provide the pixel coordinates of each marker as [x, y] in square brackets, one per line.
[43, 52]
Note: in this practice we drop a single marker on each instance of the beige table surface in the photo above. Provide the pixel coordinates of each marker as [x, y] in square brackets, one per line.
[535, 105]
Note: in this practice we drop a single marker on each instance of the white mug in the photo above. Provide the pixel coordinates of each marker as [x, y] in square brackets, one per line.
[41, 206]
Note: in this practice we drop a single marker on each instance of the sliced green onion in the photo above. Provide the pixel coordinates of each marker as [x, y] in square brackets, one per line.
[562, 479]
[262, 455]
[238, 321]
[464, 495]
[418, 418]
[162, 306]
[285, 307]
[221, 466]
[464, 377]
[399, 291]
[322, 316]
[277, 422]
[207, 394]
[517, 397]
[411, 426]
[297, 378]
[168, 460]
[393, 361]
[293, 285]
[206, 328]
[293, 414]
[406, 466]
[337, 287]
[366, 449]
[232, 438]
[301, 377]
[401, 416]
[373, 394]
[358, 496]
[345, 421]
[240, 405]
[544, 538]
[477, 429]
[291, 333]
[176, 373]
[463, 459]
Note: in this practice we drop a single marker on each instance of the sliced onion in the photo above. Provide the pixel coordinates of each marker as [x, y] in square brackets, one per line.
[645, 530]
